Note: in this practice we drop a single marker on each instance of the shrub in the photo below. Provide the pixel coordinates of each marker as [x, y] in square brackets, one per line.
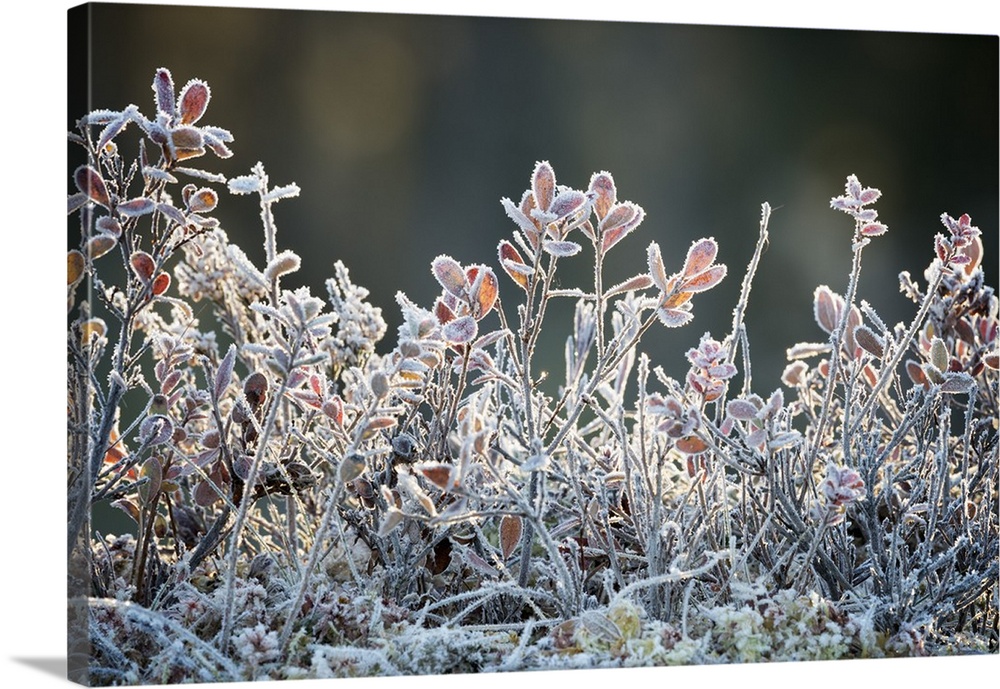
[308, 501]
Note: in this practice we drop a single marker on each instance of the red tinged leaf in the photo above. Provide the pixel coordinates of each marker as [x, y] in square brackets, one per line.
[619, 216]
[543, 185]
[691, 445]
[160, 284]
[449, 274]
[509, 256]
[603, 187]
[510, 534]
[255, 390]
[700, 256]
[874, 229]
[916, 373]
[827, 307]
[615, 229]
[484, 290]
[437, 473]
[128, 507]
[193, 101]
[443, 312]
[334, 409]
[705, 280]
[637, 282]
[89, 181]
[143, 265]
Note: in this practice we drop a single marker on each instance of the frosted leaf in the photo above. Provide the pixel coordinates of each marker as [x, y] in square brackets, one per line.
[605, 194]
[217, 143]
[143, 265]
[89, 181]
[100, 245]
[637, 282]
[615, 233]
[193, 101]
[741, 409]
[543, 184]
[874, 229]
[673, 318]
[171, 213]
[202, 201]
[75, 202]
[449, 274]
[75, 265]
[113, 129]
[245, 184]
[656, 269]
[700, 256]
[827, 307]
[510, 534]
[163, 88]
[567, 203]
[156, 173]
[957, 382]
[461, 330]
[102, 117]
[705, 280]
[513, 264]
[225, 373]
[277, 193]
[136, 207]
[561, 249]
[869, 341]
[201, 174]
[284, 263]
[522, 221]
[484, 290]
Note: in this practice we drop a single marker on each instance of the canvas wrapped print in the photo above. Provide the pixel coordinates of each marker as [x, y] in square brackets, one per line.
[490, 399]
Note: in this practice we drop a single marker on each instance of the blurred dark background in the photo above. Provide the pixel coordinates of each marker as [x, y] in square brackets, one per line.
[405, 131]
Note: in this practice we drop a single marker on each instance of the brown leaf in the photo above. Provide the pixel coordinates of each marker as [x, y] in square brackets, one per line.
[510, 534]
[89, 181]
[75, 265]
[437, 473]
[143, 265]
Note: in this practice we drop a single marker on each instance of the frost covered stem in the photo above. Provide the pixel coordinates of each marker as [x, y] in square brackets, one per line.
[244, 508]
[740, 311]
[314, 556]
[836, 341]
[889, 367]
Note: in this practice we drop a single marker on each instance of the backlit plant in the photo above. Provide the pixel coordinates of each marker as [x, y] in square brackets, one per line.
[308, 500]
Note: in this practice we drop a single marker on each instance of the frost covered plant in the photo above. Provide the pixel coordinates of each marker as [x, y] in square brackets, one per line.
[307, 500]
